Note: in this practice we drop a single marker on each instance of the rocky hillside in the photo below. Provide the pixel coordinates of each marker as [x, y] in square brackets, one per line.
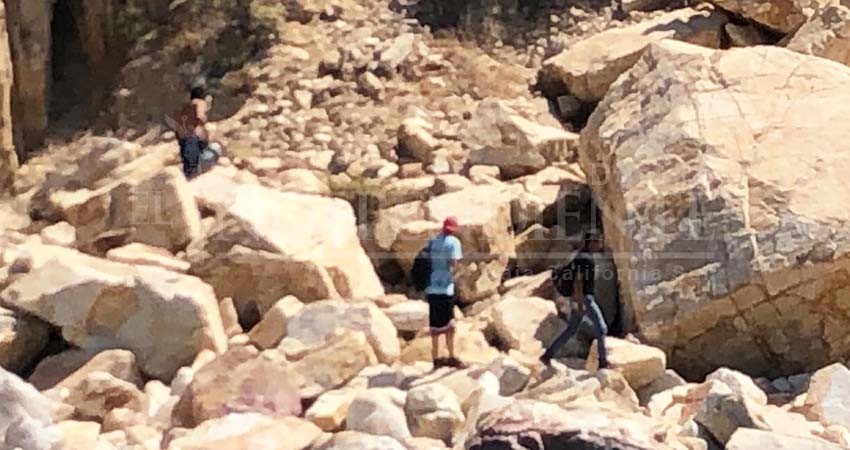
[265, 304]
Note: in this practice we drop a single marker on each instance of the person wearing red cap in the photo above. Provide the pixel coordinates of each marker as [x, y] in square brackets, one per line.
[444, 252]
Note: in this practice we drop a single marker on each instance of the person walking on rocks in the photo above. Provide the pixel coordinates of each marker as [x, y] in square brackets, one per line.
[576, 282]
[444, 252]
[190, 127]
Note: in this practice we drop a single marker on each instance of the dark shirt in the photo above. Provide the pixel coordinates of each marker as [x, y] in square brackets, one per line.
[586, 272]
[580, 268]
[192, 119]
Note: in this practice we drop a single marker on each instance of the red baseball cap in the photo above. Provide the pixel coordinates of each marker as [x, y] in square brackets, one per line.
[450, 225]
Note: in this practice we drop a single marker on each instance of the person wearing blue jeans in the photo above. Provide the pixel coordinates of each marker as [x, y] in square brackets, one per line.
[576, 282]
[190, 126]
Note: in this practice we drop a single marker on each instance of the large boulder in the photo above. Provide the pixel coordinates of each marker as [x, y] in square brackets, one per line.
[513, 376]
[353, 440]
[396, 191]
[318, 320]
[163, 317]
[96, 164]
[259, 278]
[639, 364]
[410, 315]
[98, 393]
[580, 427]
[143, 254]
[67, 370]
[668, 381]
[8, 156]
[783, 15]
[22, 338]
[79, 434]
[486, 233]
[723, 411]
[249, 431]
[589, 67]
[240, 381]
[433, 411]
[482, 400]
[272, 328]
[334, 363]
[526, 324]
[720, 410]
[28, 417]
[420, 443]
[415, 139]
[825, 34]
[471, 346]
[464, 383]
[304, 181]
[160, 210]
[532, 250]
[390, 221]
[605, 388]
[151, 205]
[748, 439]
[61, 233]
[315, 236]
[379, 411]
[741, 384]
[498, 135]
[329, 410]
[828, 395]
[722, 236]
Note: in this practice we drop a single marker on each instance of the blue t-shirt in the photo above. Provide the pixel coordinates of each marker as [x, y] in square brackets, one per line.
[443, 249]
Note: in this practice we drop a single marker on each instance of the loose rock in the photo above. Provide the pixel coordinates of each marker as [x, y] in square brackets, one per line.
[433, 411]
[240, 381]
[123, 305]
[22, 338]
[380, 412]
[334, 363]
[591, 66]
[639, 364]
[318, 320]
[498, 136]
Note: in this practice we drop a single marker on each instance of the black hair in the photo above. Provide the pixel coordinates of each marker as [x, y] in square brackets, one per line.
[590, 236]
[197, 92]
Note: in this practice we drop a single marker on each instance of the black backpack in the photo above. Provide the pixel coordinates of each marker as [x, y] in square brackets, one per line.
[563, 277]
[420, 274]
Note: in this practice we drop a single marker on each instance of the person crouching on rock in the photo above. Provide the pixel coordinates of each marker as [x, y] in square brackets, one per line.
[444, 253]
[190, 127]
[575, 281]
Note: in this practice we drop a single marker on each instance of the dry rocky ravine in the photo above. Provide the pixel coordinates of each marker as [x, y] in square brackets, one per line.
[264, 305]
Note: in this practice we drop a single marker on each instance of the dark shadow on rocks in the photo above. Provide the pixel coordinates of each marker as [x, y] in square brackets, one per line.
[487, 21]
[55, 344]
[156, 62]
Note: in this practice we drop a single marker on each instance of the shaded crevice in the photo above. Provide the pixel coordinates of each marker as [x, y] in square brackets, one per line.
[72, 61]
[55, 344]
[556, 92]
[488, 21]
[72, 77]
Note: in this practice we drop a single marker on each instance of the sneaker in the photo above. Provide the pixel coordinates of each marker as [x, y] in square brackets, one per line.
[454, 362]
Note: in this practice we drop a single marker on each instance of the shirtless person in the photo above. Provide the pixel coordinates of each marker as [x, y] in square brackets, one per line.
[191, 130]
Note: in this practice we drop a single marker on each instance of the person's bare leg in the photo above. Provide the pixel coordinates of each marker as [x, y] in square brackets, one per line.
[435, 353]
[450, 342]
